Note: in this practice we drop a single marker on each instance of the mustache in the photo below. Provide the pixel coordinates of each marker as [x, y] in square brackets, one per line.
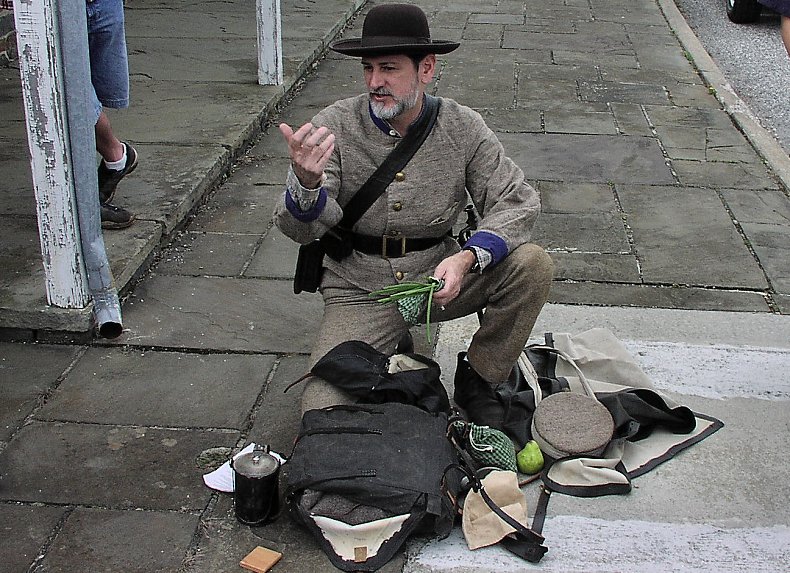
[381, 92]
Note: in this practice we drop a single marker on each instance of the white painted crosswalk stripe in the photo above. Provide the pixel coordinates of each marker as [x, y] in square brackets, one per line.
[579, 544]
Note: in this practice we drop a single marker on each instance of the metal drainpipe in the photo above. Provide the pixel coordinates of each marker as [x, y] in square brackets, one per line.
[73, 39]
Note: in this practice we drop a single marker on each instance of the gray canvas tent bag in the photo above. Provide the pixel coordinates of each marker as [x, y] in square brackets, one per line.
[649, 428]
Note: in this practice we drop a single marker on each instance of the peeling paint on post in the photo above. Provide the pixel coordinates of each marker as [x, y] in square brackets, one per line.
[270, 45]
[53, 182]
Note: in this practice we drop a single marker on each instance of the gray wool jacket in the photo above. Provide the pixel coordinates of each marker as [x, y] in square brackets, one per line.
[461, 155]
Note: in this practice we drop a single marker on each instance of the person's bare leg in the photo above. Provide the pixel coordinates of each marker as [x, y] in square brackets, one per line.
[108, 146]
[786, 33]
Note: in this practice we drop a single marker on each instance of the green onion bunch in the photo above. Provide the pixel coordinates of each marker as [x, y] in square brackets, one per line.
[412, 298]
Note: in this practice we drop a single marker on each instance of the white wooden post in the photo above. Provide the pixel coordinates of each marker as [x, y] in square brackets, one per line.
[270, 43]
[53, 180]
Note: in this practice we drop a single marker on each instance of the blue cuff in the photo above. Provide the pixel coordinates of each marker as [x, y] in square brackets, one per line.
[306, 216]
[492, 243]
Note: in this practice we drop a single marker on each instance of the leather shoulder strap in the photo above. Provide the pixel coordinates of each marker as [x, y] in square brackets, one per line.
[395, 161]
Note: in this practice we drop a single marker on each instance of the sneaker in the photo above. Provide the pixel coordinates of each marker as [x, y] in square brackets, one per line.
[109, 178]
[114, 217]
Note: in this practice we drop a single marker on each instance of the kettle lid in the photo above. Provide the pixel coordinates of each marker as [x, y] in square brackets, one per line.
[257, 463]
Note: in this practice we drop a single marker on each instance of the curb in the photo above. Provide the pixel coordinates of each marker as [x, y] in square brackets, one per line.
[760, 138]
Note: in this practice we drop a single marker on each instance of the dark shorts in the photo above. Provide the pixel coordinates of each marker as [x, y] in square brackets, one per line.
[107, 50]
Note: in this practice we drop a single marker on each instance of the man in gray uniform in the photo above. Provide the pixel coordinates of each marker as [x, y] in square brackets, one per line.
[404, 235]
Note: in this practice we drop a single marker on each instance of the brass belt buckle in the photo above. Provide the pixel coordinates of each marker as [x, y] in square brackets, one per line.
[384, 244]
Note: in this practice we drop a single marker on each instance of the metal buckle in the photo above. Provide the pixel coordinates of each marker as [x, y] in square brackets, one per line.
[385, 244]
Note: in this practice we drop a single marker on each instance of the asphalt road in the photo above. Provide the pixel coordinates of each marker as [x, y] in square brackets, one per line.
[752, 58]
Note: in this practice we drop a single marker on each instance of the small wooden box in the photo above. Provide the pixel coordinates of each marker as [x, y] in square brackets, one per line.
[260, 559]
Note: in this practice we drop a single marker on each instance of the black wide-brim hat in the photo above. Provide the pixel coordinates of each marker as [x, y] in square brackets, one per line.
[394, 29]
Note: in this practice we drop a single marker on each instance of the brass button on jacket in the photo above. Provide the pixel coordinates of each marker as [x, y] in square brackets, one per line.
[400, 176]
[397, 206]
[399, 275]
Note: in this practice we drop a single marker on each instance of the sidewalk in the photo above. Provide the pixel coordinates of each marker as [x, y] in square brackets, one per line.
[665, 224]
[196, 106]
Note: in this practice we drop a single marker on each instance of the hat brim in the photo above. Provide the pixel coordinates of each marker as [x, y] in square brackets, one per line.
[354, 47]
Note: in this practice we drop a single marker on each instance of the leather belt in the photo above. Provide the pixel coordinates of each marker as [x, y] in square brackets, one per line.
[391, 247]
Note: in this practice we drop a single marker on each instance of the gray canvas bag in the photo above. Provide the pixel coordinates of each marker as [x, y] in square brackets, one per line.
[649, 428]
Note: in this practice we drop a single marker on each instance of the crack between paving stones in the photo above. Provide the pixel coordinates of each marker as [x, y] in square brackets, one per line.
[667, 159]
[213, 429]
[44, 397]
[253, 412]
[769, 295]
[662, 285]
[50, 540]
[629, 232]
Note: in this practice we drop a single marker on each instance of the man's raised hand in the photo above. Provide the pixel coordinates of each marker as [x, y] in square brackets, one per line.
[310, 149]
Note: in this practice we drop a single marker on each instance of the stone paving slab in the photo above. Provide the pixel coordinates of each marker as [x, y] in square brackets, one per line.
[714, 174]
[25, 530]
[119, 467]
[23, 302]
[275, 258]
[588, 158]
[203, 113]
[595, 267]
[129, 251]
[280, 411]
[222, 314]
[120, 541]
[592, 233]
[238, 208]
[663, 216]
[770, 245]
[28, 372]
[623, 93]
[16, 175]
[194, 59]
[115, 386]
[190, 20]
[576, 198]
[505, 121]
[211, 254]
[173, 182]
[573, 119]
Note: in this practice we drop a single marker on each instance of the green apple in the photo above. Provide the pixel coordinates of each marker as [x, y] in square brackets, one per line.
[530, 459]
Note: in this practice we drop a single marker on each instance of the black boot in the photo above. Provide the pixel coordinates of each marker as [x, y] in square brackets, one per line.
[506, 406]
[476, 396]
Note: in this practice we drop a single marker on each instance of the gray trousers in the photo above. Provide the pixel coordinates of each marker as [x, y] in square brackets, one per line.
[512, 294]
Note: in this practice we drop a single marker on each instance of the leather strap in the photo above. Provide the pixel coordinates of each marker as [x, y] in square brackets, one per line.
[391, 247]
[523, 542]
[540, 510]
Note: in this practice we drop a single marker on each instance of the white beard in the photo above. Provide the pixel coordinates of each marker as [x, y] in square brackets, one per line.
[381, 111]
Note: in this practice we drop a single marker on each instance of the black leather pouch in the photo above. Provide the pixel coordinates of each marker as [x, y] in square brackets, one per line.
[309, 267]
[337, 244]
